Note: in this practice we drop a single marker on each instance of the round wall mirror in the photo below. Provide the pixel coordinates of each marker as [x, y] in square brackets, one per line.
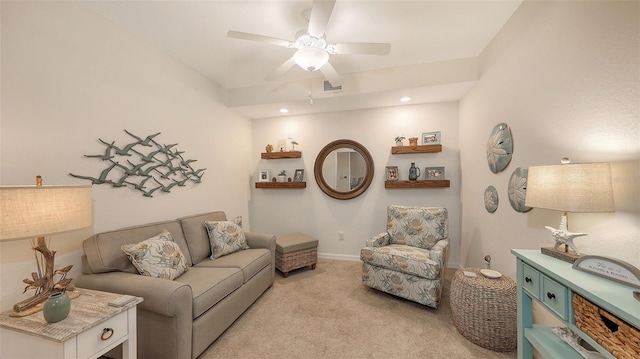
[343, 169]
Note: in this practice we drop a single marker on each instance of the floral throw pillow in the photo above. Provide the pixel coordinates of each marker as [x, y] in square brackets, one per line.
[158, 257]
[225, 238]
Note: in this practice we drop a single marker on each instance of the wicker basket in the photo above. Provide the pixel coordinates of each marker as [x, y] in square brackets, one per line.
[293, 260]
[484, 310]
[618, 337]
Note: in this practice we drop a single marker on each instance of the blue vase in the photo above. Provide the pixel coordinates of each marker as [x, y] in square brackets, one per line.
[57, 307]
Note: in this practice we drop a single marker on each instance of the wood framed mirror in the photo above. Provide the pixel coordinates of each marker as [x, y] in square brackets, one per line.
[343, 169]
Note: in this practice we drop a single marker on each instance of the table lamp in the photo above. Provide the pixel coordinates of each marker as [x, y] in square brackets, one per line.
[36, 212]
[580, 187]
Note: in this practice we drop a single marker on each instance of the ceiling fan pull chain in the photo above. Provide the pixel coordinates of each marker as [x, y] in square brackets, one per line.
[310, 95]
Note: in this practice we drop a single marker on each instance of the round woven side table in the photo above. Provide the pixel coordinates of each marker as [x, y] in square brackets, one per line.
[484, 310]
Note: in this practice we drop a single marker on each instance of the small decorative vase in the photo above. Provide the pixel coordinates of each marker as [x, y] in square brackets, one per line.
[413, 141]
[414, 172]
[399, 143]
[57, 307]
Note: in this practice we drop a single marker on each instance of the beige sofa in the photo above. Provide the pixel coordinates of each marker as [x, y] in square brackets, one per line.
[180, 318]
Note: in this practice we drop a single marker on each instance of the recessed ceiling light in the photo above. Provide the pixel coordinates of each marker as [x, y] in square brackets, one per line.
[405, 99]
[283, 110]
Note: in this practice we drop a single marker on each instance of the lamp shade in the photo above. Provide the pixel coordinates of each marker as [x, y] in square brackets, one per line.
[38, 211]
[579, 187]
[311, 58]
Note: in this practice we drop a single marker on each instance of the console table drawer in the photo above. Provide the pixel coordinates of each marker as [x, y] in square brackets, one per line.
[554, 297]
[111, 332]
[531, 280]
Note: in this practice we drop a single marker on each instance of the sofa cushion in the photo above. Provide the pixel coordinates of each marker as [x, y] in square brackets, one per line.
[402, 258]
[158, 257]
[420, 227]
[250, 261]
[196, 234]
[226, 237]
[103, 249]
[210, 285]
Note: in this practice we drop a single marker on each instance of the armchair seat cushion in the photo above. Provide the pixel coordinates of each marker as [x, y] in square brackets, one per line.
[402, 258]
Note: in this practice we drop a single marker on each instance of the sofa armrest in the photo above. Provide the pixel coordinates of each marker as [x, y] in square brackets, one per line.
[263, 240]
[439, 252]
[379, 240]
[161, 296]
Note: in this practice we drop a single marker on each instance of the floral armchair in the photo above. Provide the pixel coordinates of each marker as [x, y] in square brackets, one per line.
[409, 259]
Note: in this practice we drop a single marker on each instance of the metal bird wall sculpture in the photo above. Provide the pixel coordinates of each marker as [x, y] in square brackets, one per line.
[162, 163]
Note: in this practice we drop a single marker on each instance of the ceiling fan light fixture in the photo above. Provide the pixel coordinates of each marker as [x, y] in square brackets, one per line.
[311, 58]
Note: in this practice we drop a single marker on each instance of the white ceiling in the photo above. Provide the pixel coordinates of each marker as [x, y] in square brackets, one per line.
[421, 33]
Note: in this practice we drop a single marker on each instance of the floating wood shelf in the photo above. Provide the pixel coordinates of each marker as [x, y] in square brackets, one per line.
[281, 185]
[400, 150]
[278, 155]
[417, 184]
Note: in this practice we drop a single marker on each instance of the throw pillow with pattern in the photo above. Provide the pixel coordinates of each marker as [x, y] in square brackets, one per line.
[158, 257]
[225, 238]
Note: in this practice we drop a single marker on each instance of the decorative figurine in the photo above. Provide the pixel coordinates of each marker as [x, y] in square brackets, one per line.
[563, 236]
[293, 144]
[269, 148]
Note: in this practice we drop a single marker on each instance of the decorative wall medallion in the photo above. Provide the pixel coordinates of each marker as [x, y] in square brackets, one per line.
[144, 165]
[499, 148]
[491, 199]
[518, 189]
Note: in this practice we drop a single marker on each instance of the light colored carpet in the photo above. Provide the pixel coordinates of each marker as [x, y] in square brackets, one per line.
[328, 313]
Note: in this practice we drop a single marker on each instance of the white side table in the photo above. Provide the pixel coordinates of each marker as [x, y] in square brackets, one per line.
[92, 328]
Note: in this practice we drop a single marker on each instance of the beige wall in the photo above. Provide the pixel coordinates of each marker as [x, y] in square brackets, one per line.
[312, 212]
[565, 77]
[69, 77]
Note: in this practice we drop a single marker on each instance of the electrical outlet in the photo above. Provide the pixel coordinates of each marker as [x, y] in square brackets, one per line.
[341, 235]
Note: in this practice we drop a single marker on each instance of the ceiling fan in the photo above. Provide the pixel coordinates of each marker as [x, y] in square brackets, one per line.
[312, 48]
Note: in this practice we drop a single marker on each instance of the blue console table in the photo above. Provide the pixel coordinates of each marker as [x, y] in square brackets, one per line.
[552, 282]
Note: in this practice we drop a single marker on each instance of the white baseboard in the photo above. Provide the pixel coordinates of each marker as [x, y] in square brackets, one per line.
[353, 258]
[339, 257]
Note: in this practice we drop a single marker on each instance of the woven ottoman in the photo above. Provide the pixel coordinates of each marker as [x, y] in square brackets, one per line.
[484, 310]
[295, 250]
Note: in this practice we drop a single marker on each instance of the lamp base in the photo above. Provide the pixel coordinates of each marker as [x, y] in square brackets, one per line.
[569, 256]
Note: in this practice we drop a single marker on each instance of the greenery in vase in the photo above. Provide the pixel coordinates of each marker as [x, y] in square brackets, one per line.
[400, 138]
[282, 173]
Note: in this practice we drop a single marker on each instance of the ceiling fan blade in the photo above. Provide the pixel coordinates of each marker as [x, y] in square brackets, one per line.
[281, 70]
[331, 75]
[364, 48]
[255, 37]
[320, 13]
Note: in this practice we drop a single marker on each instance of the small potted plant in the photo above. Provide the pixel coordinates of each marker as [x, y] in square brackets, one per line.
[282, 176]
[399, 140]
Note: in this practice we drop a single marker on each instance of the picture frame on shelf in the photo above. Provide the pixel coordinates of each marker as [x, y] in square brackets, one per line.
[298, 175]
[391, 173]
[431, 138]
[434, 173]
[282, 145]
[263, 176]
